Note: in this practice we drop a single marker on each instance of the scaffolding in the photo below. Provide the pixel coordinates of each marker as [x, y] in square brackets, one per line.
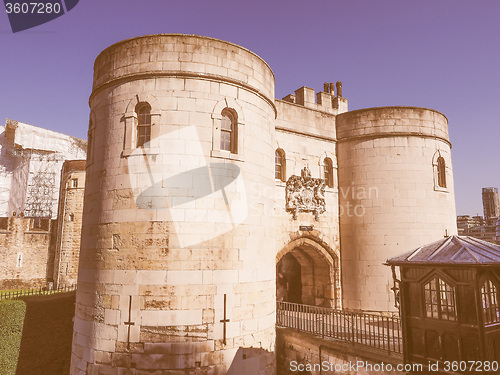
[39, 197]
[30, 167]
[41, 182]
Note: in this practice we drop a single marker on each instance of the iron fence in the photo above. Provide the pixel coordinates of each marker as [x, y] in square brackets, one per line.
[373, 330]
[36, 292]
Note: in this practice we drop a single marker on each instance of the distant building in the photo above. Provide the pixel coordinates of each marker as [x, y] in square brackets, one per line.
[466, 224]
[35, 248]
[491, 205]
[477, 227]
[31, 159]
[484, 232]
[484, 228]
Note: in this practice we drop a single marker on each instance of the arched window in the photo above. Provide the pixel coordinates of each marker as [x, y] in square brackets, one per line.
[441, 172]
[489, 298]
[439, 299]
[143, 111]
[328, 172]
[141, 119]
[280, 165]
[229, 131]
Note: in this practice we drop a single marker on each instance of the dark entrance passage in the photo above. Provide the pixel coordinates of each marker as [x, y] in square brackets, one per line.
[307, 273]
[288, 280]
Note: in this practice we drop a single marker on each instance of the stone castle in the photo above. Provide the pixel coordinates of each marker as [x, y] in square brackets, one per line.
[206, 199]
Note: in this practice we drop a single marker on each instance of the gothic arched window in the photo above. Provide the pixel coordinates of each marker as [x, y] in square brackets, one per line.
[489, 298]
[229, 131]
[439, 299]
[328, 172]
[441, 172]
[143, 111]
[279, 165]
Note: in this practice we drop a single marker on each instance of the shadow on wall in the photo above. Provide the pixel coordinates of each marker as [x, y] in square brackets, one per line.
[253, 361]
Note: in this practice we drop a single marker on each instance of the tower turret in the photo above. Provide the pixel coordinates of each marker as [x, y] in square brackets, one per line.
[396, 193]
[179, 171]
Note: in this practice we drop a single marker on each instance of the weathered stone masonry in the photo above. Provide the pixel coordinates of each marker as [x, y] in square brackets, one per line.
[28, 247]
[69, 222]
[185, 219]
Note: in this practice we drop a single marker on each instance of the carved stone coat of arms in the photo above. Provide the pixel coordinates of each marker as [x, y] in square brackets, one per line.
[305, 194]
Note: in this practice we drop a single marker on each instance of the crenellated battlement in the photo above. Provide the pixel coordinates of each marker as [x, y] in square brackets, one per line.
[325, 100]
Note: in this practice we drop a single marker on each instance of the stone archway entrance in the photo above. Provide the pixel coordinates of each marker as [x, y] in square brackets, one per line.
[307, 273]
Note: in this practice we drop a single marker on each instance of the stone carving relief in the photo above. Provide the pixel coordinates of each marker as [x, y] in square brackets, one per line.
[305, 194]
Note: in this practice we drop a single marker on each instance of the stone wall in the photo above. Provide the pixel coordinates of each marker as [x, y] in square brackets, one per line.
[27, 249]
[307, 136]
[301, 351]
[69, 226]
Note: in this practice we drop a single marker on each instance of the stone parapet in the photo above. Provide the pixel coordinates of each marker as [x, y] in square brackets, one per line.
[392, 121]
[178, 55]
[305, 122]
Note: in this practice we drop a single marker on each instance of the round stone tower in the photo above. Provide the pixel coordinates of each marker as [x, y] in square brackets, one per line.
[177, 264]
[395, 191]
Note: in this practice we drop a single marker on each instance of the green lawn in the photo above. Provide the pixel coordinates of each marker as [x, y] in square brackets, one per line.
[12, 315]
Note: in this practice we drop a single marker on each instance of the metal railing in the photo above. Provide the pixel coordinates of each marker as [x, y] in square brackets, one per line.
[36, 292]
[373, 330]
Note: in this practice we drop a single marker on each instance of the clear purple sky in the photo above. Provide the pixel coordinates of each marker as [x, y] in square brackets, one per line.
[439, 54]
